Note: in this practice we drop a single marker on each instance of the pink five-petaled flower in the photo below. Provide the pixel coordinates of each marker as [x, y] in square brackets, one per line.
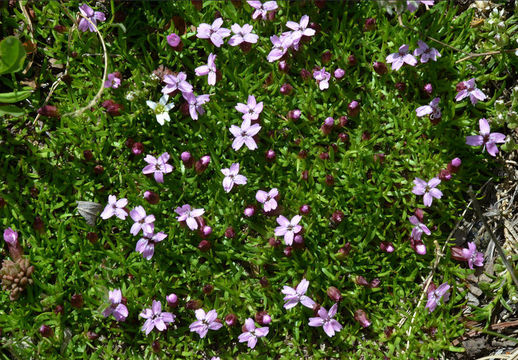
[435, 296]
[119, 310]
[142, 221]
[428, 189]
[300, 29]
[178, 82]
[262, 9]
[471, 255]
[92, 16]
[242, 35]
[469, 88]
[232, 177]
[205, 322]
[195, 104]
[214, 32]
[115, 207]
[189, 215]
[294, 296]
[156, 318]
[432, 109]
[244, 135]
[267, 199]
[157, 166]
[487, 139]
[252, 333]
[401, 57]
[209, 69]
[288, 228]
[426, 52]
[146, 245]
[326, 320]
[322, 77]
[251, 109]
[412, 5]
[419, 228]
[280, 46]
[113, 81]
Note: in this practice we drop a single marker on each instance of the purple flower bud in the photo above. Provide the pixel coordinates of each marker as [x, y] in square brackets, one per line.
[270, 155]
[303, 154]
[326, 57]
[344, 251]
[370, 24]
[77, 301]
[329, 122]
[155, 346]
[11, 237]
[444, 175]
[351, 60]
[428, 89]
[267, 319]
[92, 237]
[59, 309]
[207, 289]
[137, 148]
[230, 233]
[380, 67]
[324, 156]
[206, 231]
[339, 73]
[173, 40]
[202, 164]
[386, 246]
[366, 136]
[151, 197]
[294, 114]
[334, 294]
[45, 331]
[112, 107]
[360, 280]
[305, 209]
[259, 317]
[374, 283]
[304, 175]
[98, 169]
[283, 66]
[286, 89]
[337, 217]
[298, 239]
[249, 211]
[419, 213]
[88, 155]
[305, 74]
[231, 320]
[454, 165]
[400, 86]
[273, 242]
[379, 158]
[172, 300]
[187, 159]
[353, 108]
[288, 250]
[361, 317]
[330, 180]
[49, 111]
[205, 160]
[343, 137]
[204, 245]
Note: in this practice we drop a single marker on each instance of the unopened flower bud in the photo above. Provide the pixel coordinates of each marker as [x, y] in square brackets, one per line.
[266, 319]
[151, 197]
[230, 233]
[298, 240]
[172, 300]
[344, 251]
[305, 74]
[454, 165]
[351, 60]
[419, 213]
[174, 40]
[353, 108]
[187, 159]
[444, 175]
[60, 29]
[288, 250]
[206, 231]
[380, 67]
[249, 211]
[343, 137]
[370, 24]
[77, 301]
[428, 89]
[330, 180]
[45, 331]
[326, 57]
[334, 294]
[204, 245]
[303, 154]
[156, 346]
[49, 111]
[366, 136]
[283, 66]
[202, 164]
[259, 317]
[92, 237]
[379, 158]
[374, 283]
[361, 317]
[2, 202]
[193, 304]
[98, 169]
[400, 86]
[305, 209]
[294, 114]
[59, 309]
[207, 289]
[324, 156]
[264, 281]
[339, 73]
[92, 335]
[337, 217]
[231, 320]
[386, 246]
[88, 155]
[273, 242]
[360, 280]
[38, 224]
[270, 155]
[137, 148]
[286, 89]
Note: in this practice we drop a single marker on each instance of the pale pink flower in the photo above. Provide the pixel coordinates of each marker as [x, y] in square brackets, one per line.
[244, 135]
[487, 139]
[419, 228]
[322, 77]
[426, 52]
[288, 228]
[432, 109]
[232, 177]
[412, 5]
[178, 82]
[214, 32]
[436, 295]
[113, 81]
[189, 215]
[146, 245]
[472, 256]
[280, 46]
[195, 104]
[115, 207]
[155, 318]
[252, 333]
[267, 199]
[428, 189]
[209, 69]
[326, 320]
[300, 29]
[251, 110]
[469, 88]
[261, 10]
[93, 16]
[242, 35]
[157, 166]
[117, 308]
[205, 322]
[401, 57]
[142, 221]
[294, 296]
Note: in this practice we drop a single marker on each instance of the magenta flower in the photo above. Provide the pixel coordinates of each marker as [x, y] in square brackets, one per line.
[412, 5]
[11, 236]
[209, 69]
[472, 256]
[146, 245]
[251, 110]
[113, 81]
[419, 228]
[294, 296]
[432, 109]
[205, 322]
[92, 16]
[469, 88]
[214, 32]
[244, 135]
[155, 318]
[435, 296]
[300, 29]
[242, 35]
[195, 104]
[178, 82]
[288, 228]
[232, 177]
[426, 52]
[115, 207]
[280, 47]
[267, 199]
[326, 320]
[322, 77]
[117, 308]
[418, 246]
[157, 166]
[189, 215]
[401, 57]
[487, 139]
[262, 9]
[173, 40]
[142, 221]
[252, 333]
[428, 189]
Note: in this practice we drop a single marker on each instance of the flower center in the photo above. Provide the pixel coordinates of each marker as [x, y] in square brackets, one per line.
[159, 109]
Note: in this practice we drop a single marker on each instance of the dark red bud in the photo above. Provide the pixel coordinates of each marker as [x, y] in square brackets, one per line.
[45, 331]
[193, 304]
[360, 280]
[91, 335]
[343, 137]
[334, 294]
[49, 111]
[77, 301]
[337, 217]
[366, 136]
[305, 175]
[2, 202]
[444, 175]
[303, 154]
[59, 309]
[326, 57]
[352, 61]
[60, 29]
[264, 281]
[273, 242]
[156, 346]
[137, 148]
[151, 197]
[231, 320]
[330, 180]
[288, 250]
[129, 143]
[324, 156]
[419, 214]
[361, 317]
[353, 108]
[379, 158]
[305, 74]
[204, 245]
[38, 224]
[245, 47]
[207, 289]
[344, 251]
[400, 86]
[88, 155]
[380, 68]
[370, 24]
[286, 89]
[198, 4]
[98, 169]
[270, 155]
[305, 209]
[230, 233]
